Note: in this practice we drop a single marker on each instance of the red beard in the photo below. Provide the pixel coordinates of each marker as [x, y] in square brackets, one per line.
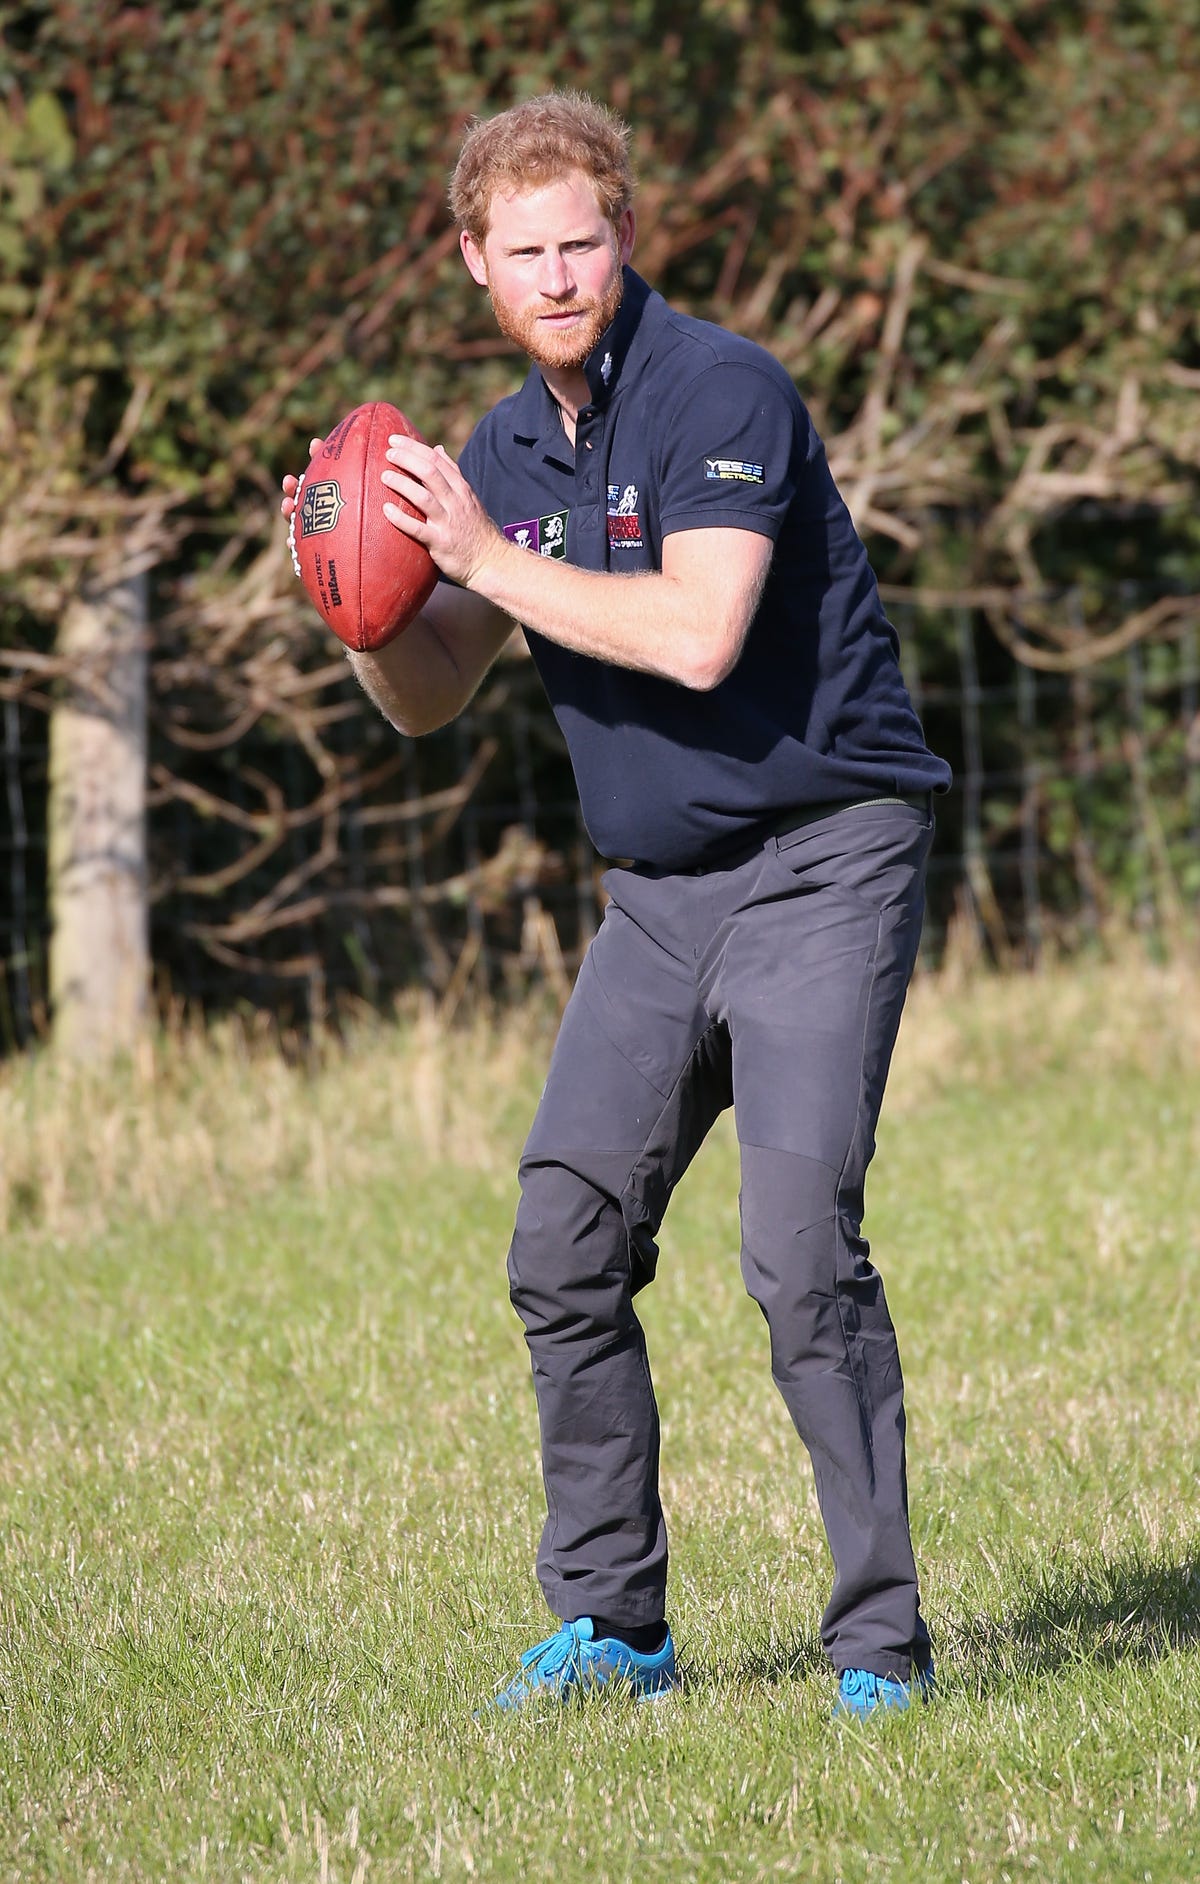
[561, 351]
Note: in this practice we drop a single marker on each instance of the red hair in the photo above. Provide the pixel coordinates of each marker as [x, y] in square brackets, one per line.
[535, 143]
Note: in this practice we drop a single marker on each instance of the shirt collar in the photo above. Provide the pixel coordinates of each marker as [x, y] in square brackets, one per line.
[603, 365]
[535, 415]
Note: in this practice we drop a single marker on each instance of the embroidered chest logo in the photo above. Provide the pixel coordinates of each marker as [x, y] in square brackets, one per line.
[320, 507]
[545, 536]
[624, 524]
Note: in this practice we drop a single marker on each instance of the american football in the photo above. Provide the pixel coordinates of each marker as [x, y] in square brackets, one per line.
[367, 579]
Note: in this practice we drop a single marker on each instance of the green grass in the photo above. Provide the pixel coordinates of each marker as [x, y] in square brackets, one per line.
[269, 1487]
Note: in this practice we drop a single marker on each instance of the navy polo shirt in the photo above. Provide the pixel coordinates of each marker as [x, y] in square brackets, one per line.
[690, 427]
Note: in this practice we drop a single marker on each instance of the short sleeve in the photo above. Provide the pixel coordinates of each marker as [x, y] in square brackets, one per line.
[734, 452]
[471, 462]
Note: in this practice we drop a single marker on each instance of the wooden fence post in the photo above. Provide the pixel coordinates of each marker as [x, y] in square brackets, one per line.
[100, 950]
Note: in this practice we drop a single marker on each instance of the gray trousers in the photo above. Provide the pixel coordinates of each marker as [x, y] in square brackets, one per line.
[774, 984]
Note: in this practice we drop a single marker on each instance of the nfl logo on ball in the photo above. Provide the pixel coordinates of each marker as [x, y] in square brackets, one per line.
[321, 507]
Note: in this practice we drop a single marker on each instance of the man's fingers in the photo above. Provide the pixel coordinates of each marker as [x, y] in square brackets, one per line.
[411, 454]
[290, 485]
[404, 520]
[420, 475]
[407, 486]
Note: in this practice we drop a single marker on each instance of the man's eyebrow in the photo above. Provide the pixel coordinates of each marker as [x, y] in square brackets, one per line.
[539, 242]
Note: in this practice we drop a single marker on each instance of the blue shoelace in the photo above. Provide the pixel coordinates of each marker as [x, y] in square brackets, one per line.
[856, 1681]
[560, 1650]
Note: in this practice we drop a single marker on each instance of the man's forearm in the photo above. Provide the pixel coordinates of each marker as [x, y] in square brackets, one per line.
[630, 620]
[426, 675]
[686, 622]
[657, 622]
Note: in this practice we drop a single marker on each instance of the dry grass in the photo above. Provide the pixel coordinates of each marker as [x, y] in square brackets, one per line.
[220, 1114]
[1127, 1011]
[216, 1115]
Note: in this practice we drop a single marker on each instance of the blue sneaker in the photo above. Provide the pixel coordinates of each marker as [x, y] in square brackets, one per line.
[573, 1662]
[861, 1693]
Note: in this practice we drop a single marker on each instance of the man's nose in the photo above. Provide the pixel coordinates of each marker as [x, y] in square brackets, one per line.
[556, 276]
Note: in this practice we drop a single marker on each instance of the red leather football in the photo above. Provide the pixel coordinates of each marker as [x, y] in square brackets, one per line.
[366, 577]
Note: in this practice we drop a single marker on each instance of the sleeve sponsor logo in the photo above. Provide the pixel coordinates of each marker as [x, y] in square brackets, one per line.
[545, 536]
[734, 471]
[320, 507]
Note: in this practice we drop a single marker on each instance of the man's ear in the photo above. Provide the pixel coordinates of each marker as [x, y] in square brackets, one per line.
[626, 233]
[472, 254]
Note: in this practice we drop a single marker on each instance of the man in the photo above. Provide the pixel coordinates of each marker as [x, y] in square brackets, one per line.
[709, 633]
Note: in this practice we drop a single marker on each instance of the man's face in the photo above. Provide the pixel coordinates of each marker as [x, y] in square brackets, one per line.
[551, 262]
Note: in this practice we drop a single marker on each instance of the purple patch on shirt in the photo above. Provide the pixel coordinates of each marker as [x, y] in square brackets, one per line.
[525, 535]
[545, 536]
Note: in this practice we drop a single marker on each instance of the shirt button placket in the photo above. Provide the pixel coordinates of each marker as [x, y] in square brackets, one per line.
[587, 425]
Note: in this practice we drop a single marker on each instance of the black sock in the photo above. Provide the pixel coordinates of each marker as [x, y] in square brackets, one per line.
[645, 1638]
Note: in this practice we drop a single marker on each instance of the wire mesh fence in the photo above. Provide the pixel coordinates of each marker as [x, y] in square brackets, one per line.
[1076, 797]
[462, 862]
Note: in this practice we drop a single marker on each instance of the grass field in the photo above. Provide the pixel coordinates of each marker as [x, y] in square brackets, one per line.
[269, 1489]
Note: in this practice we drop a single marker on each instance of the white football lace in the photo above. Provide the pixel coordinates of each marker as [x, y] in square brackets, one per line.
[292, 524]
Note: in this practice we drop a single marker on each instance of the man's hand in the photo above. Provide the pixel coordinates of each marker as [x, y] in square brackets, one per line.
[287, 502]
[425, 676]
[453, 525]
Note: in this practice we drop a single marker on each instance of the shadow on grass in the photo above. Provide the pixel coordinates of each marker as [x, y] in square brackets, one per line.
[1073, 1609]
[792, 1657]
[1063, 1611]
